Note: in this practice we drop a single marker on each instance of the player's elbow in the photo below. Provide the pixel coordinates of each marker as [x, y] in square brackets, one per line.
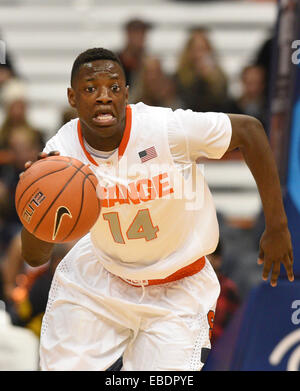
[254, 132]
[34, 260]
[249, 125]
[34, 257]
[34, 251]
[246, 131]
[254, 125]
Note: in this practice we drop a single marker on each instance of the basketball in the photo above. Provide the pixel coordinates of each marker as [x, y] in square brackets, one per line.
[56, 199]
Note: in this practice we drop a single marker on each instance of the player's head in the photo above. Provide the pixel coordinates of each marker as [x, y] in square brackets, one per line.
[99, 93]
[91, 55]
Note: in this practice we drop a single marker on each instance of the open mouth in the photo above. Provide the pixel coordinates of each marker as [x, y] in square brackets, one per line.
[104, 118]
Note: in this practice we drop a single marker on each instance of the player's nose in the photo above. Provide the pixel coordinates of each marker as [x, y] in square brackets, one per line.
[104, 96]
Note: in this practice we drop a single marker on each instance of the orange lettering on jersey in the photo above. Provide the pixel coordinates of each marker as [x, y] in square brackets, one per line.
[150, 190]
[116, 196]
[130, 193]
[120, 197]
[101, 192]
[136, 192]
[162, 188]
[112, 196]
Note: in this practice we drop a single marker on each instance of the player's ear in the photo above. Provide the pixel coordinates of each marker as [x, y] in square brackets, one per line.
[71, 97]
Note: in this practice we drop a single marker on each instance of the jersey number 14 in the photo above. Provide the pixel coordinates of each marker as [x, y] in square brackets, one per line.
[141, 226]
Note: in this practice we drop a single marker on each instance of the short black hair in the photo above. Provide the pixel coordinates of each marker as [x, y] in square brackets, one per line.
[93, 55]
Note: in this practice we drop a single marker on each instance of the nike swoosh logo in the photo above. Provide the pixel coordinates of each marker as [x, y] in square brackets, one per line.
[60, 212]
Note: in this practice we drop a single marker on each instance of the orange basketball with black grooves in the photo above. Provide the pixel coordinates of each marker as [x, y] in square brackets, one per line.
[56, 199]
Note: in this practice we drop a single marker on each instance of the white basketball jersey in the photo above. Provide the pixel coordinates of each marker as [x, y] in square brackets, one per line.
[157, 212]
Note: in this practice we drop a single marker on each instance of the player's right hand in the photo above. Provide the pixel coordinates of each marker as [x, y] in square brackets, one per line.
[41, 155]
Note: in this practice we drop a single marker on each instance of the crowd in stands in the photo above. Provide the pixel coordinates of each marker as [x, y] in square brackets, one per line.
[199, 83]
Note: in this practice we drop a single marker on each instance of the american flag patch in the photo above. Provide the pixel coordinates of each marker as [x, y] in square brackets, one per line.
[147, 154]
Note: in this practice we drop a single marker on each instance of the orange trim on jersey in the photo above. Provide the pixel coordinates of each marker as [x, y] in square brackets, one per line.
[123, 143]
[186, 271]
[127, 131]
[87, 154]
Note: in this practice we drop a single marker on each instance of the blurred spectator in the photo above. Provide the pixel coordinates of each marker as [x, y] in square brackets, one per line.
[133, 53]
[7, 69]
[7, 229]
[25, 144]
[14, 99]
[67, 114]
[253, 99]
[2, 297]
[5, 74]
[30, 299]
[229, 299]
[264, 55]
[240, 252]
[12, 265]
[154, 87]
[201, 83]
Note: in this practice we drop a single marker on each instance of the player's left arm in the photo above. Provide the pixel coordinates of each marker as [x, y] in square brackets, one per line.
[275, 245]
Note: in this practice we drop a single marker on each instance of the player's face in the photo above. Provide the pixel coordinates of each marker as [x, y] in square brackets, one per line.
[100, 96]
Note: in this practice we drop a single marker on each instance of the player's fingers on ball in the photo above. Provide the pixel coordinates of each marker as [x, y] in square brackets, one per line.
[53, 153]
[275, 273]
[288, 264]
[42, 155]
[28, 164]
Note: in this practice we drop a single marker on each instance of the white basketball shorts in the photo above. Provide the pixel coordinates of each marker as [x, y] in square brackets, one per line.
[93, 317]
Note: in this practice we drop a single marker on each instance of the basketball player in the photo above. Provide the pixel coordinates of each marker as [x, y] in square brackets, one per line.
[139, 284]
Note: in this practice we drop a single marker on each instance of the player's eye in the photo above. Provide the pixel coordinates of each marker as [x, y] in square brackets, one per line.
[115, 88]
[90, 89]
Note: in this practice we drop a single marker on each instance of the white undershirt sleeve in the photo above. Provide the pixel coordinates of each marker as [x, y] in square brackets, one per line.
[192, 135]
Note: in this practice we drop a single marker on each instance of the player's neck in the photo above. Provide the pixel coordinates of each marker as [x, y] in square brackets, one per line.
[102, 143]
